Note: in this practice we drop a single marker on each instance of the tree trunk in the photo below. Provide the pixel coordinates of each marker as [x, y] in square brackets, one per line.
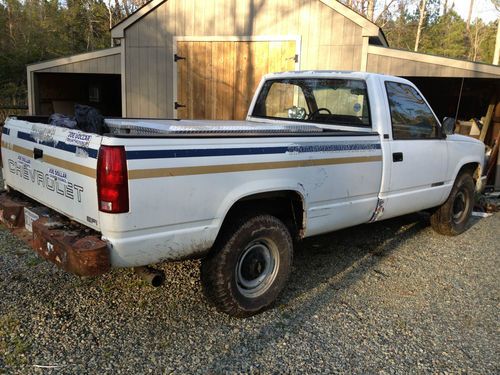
[420, 23]
[471, 6]
[371, 9]
[10, 22]
[125, 7]
[496, 57]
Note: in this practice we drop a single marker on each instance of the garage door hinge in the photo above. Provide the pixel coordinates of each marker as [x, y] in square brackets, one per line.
[177, 105]
[177, 58]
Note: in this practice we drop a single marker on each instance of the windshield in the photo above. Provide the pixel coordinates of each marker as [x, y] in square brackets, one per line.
[329, 101]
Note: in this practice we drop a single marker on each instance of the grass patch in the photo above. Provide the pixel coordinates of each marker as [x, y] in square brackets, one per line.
[34, 261]
[12, 345]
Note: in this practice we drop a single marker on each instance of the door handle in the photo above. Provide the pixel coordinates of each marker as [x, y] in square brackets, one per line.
[397, 157]
[37, 153]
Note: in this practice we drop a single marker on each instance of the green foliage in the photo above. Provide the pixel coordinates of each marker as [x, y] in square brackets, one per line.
[36, 30]
[442, 34]
[446, 36]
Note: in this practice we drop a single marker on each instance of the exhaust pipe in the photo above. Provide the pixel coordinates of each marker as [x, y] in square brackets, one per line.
[151, 275]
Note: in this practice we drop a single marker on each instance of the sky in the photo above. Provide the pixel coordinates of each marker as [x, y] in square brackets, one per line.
[482, 8]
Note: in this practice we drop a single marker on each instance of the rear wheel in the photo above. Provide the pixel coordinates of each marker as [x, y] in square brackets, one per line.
[451, 218]
[249, 265]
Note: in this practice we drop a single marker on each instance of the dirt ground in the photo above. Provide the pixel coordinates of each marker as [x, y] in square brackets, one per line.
[390, 297]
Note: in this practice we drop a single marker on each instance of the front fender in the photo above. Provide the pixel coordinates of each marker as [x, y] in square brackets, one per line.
[462, 151]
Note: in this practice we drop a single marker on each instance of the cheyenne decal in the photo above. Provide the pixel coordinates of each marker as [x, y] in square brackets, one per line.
[46, 180]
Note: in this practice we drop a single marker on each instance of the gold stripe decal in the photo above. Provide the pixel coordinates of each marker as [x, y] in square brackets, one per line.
[212, 169]
[77, 168]
[73, 167]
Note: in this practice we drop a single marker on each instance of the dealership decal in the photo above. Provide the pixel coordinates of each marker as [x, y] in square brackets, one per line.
[78, 139]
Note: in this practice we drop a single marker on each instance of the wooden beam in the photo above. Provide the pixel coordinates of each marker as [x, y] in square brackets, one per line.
[487, 120]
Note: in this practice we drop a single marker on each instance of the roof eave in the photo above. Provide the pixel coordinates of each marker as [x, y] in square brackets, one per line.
[118, 31]
[73, 59]
[436, 60]
[369, 27]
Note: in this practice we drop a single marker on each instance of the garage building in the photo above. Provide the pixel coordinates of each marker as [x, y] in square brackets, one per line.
[204, 58]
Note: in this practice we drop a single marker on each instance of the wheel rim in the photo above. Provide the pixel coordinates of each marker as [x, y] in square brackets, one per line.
[460, 207]
[257, 268]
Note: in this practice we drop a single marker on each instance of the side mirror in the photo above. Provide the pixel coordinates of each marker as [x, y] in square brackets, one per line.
[448, 125]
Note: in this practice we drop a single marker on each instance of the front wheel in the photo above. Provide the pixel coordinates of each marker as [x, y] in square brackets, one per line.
[249, 265]
[451, 218]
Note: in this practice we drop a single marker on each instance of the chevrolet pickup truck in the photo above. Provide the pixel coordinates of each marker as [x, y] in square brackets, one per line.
[319, 151]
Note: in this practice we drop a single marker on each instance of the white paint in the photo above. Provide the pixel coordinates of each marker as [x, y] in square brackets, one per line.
[175, 217]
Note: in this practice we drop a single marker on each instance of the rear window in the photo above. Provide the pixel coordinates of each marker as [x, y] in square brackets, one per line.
[328, 101]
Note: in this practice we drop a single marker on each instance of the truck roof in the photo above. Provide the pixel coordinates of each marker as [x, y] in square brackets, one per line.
[330, 74]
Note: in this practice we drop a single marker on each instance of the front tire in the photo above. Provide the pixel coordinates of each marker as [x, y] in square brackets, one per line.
[451, 218]
[249, 265]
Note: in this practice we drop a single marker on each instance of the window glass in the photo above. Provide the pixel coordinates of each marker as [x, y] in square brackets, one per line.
[329, 101]
[283, 97]
[411, 116]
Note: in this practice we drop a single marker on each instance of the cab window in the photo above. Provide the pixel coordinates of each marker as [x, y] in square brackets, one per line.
[328, 101]
[410, 115]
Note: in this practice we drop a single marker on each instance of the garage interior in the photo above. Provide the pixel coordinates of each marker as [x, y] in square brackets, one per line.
[58, 93]
[464, 99]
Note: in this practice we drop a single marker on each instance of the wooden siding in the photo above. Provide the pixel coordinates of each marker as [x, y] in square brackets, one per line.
[328, 41]
[216, 80]
[408, 68]
[99, 65]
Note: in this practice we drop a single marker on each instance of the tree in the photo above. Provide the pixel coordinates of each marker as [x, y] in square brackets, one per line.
[469, 15]
[446, 36]
[421, 19]
[371, 9]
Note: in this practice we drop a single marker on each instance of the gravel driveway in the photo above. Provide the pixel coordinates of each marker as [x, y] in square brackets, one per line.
[391, 297]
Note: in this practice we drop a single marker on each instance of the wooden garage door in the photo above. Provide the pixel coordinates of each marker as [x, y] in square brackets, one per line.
[216, 80]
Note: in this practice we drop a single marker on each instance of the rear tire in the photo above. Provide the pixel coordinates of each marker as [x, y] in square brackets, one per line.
[451, 218]
[249, 265]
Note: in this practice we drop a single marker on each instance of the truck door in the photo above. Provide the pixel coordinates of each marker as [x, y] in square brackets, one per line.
[418, 153]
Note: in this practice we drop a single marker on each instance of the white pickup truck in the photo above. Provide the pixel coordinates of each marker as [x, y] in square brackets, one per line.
[319, 151]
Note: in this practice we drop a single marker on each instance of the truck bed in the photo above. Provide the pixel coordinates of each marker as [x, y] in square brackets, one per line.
[193, 169]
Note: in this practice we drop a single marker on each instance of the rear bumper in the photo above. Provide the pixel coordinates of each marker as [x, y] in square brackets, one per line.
[70, 246]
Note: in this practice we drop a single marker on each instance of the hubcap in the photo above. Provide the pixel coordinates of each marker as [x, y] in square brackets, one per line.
[257, 268]
[460, 207]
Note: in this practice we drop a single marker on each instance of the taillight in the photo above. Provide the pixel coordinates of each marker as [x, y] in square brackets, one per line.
[112, 179]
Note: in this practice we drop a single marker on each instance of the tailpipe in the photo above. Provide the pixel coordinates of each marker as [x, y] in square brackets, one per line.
[151, 275]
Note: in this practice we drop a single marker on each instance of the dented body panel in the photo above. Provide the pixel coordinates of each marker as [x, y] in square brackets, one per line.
[185, 176]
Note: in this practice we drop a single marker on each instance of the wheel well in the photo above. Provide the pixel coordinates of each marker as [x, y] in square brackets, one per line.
[286, 205]
[471, 168]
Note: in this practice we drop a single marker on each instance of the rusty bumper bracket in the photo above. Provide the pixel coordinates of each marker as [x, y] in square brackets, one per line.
[70, 246]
